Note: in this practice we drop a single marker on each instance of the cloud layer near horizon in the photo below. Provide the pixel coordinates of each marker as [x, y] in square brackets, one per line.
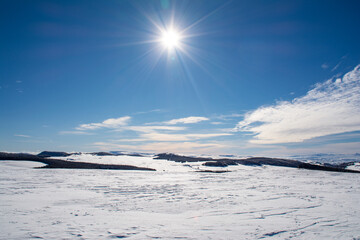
[173, 147]
[158, 136]
[331, 107]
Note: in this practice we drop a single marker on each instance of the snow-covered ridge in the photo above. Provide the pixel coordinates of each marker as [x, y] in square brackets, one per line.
[165, 162]
[138, 161]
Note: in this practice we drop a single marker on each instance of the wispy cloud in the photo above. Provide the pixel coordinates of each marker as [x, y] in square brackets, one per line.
[74, 133]
[226, 117]
[331, 107]
[170, 133]
[159, 136]
[108, 123]
[324, 66]
[150, 111]
[187, 120]
[22, 135]
[339, 63]
[148, 129]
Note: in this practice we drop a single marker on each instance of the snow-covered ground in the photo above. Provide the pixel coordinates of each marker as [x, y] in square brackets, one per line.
[178, 203]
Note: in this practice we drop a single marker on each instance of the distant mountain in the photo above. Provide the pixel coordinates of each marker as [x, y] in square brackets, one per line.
[45, 157]
[103, 154]
[134, 154]
[256, 161]
[328, 158]
[57, 163]
[116, 153]
[65, 154]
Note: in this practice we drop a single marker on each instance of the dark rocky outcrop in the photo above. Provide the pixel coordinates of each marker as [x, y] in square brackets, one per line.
[19, 156]
[103, 154]
[116, 154]
[213, 171]
[221, 163]
[325, 168]
[179, 158]
[53, 154]
[270, 161]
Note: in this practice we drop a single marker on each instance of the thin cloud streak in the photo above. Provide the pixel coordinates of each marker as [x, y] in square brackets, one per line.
[187, 120]
[339, 63]
[74, 133]
[226, 117]
[331, 107]
[22, 135]
[217, 123]
[149, 129]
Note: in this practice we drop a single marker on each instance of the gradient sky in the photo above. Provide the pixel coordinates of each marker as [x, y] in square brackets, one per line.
[248, 77]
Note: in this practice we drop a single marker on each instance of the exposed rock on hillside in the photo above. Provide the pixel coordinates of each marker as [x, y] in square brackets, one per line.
[53, 154]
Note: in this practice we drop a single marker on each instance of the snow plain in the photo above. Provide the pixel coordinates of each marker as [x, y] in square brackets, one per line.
[176, 202]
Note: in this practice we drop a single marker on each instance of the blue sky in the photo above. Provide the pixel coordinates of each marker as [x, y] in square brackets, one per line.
[247, 77]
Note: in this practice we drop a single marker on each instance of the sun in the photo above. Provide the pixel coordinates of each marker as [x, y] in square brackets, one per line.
[170, 39]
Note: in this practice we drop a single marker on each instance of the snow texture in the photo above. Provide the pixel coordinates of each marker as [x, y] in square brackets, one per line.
[178, 203]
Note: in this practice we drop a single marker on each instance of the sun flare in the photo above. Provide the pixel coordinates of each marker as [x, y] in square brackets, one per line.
[170, 39]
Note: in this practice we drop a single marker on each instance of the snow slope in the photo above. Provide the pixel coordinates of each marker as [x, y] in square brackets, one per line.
[247, 203]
